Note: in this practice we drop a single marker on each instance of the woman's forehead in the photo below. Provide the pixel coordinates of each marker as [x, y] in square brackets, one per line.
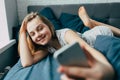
[34, 23]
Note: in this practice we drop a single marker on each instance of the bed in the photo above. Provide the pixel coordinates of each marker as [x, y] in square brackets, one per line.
[65, 16]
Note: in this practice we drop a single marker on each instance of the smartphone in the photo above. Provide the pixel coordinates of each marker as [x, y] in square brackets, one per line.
[71, 55]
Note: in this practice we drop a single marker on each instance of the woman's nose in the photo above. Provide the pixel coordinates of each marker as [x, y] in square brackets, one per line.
[38, 35]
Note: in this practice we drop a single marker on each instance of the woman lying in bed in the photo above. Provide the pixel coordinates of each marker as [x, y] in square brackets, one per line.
[37, 39]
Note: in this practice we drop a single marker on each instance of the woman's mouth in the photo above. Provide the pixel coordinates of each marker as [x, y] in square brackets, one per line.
[41, 39]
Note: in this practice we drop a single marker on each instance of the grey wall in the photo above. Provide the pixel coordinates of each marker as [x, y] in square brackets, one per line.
[22, 4]
[8, 56]
[12, 15]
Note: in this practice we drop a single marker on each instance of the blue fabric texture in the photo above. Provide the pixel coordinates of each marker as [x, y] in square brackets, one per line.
[71, 21]
[74, 22]
[110, 47]
[45, 69]
[48, 13]
[101, 19]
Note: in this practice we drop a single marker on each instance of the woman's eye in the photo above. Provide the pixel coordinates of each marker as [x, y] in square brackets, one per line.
[32, 34]
[39, 28]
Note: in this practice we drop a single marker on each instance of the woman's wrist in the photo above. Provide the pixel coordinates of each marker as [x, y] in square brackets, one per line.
[22, 31]
[22, 34]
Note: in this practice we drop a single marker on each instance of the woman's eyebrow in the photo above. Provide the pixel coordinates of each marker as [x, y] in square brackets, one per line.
[39, 25]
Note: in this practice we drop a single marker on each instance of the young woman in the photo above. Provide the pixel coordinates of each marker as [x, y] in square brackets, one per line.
[38, 38]
[41, 38]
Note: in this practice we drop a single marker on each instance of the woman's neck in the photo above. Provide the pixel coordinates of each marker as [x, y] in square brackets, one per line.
[54, 43]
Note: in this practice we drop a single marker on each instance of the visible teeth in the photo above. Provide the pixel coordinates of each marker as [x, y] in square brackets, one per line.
[38, 38]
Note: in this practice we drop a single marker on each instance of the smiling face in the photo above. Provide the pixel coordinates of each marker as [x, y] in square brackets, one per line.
[39, 31]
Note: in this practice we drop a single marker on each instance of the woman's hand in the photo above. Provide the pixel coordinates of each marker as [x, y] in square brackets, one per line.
[23, 27]
[98, 70]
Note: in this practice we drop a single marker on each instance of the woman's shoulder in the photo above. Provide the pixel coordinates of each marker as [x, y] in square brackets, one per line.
[62, 30]
[60, 35]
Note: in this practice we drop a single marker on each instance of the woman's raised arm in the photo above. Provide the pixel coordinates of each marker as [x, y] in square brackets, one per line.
[100, 68]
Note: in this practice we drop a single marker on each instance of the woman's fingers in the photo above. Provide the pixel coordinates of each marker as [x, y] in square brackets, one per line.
[65, 77]
[98, 69]
[23, 26]
[77, 71]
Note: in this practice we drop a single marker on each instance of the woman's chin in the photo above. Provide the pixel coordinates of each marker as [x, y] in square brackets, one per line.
[43, 43]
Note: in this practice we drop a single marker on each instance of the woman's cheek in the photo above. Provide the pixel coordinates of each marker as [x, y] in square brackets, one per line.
[33, 39]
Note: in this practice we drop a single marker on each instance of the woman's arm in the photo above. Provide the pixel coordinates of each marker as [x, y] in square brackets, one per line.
[71, 36]
[99, 69]
[26, 56]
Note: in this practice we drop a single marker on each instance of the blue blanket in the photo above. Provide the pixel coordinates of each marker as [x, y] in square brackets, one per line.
[110, 48]
[45, 69]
